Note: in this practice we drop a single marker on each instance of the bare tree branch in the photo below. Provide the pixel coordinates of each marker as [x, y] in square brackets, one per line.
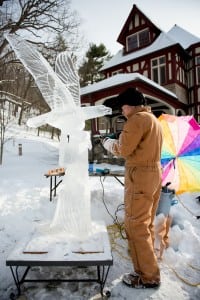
[40, 18]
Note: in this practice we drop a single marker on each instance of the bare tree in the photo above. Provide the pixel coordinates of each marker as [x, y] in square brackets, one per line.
[49, 24]
[2, 1]
[39, 20]
[7, 120]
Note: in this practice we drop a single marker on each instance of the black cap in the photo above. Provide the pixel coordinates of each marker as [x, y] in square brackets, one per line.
[131, 97]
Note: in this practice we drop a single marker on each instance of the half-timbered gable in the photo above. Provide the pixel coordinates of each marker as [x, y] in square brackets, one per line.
[138, 32]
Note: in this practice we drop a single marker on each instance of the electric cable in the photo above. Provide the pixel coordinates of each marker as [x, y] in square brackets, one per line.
[119, 207]
[114, 235]
[193, 267]
[196, 217]
[181, 278]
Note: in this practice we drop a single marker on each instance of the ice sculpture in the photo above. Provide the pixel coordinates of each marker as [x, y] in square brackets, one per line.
[61, 91]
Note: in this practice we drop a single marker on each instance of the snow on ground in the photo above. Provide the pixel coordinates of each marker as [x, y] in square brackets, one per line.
[24, 202]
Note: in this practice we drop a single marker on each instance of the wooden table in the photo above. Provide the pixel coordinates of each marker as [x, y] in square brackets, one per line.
[54, 174]
[111, 173]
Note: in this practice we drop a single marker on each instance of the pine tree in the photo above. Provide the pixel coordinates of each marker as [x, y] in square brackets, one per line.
[92, 63]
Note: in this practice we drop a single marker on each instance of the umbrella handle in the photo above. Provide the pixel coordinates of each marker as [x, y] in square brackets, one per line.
[174, 162]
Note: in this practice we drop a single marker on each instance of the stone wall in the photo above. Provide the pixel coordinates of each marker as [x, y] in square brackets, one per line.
[180, 92]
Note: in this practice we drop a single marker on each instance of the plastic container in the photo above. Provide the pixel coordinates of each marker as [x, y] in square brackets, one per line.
[91, 167]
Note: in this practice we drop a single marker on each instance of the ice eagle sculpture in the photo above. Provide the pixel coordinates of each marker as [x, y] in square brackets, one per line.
[61, 91]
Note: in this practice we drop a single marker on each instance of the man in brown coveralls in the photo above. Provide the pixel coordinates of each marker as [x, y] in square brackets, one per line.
[140, 144]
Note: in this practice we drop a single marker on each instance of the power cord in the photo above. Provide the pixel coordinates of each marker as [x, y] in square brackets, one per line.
[197, 217]
[114, 218]
[181, 278]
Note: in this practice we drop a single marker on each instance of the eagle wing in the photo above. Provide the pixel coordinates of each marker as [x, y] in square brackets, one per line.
[67, 73]
[54, 91]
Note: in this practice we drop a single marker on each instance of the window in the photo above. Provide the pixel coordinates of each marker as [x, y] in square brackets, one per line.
[190, 78]
[198, 60]
[198, 75]
[102, 123]
[137, 40]
[143, 38]
[119, 123]
[198, 69]
[132, 42]
[158, 67]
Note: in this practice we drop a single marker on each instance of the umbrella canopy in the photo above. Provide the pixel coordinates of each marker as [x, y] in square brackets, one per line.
[180, 156]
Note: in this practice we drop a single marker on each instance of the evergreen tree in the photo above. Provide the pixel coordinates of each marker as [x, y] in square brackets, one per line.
[92, 63]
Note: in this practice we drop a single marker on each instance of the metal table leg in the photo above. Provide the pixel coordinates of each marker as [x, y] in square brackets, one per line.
[55, 186]
[119, 180]
[18, 282]
[102, 273]
[50, 188]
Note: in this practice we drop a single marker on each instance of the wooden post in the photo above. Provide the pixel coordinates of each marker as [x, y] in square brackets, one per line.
[20, 149]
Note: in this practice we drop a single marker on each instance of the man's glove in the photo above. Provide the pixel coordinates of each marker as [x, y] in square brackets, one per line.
[108, 144]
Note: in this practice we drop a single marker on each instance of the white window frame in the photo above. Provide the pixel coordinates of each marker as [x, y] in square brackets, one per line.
[197, 69]
[159, 67]
[138, 41]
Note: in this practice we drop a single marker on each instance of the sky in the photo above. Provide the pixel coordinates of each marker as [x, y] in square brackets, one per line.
[103, 20]
[25, 212]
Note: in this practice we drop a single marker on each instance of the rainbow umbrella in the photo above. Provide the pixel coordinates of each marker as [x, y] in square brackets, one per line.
[180, 156]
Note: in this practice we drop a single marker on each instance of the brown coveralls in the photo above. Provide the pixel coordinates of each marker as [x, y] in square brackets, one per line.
[140, 144]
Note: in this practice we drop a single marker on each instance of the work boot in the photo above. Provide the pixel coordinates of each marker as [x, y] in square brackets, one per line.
[134, 281]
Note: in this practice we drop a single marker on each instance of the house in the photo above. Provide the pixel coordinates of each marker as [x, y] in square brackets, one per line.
[165, 67]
